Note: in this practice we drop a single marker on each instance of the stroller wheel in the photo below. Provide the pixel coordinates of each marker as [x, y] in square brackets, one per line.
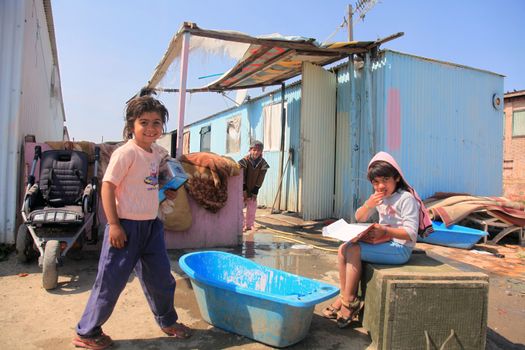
[24, 244]
[49, 266]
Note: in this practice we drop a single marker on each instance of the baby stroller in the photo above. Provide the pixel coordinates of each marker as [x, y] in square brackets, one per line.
[57, 210]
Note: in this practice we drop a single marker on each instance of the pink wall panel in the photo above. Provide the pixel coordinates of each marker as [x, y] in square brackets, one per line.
[222, 229]
[393, 115]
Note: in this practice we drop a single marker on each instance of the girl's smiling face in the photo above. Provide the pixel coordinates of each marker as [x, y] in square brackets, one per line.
[385, 184]
[147, 128]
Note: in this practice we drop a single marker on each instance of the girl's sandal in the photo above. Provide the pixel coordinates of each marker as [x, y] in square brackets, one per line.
[99, 342]
[354, 307]
[177, 330]
[330, 312]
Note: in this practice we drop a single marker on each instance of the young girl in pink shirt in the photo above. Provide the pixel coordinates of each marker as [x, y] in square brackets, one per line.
[134, 236]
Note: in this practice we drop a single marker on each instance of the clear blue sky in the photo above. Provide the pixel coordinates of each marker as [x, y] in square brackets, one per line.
[109, 49]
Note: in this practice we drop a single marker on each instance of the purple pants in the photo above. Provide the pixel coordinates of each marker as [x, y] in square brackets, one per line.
[145, 252]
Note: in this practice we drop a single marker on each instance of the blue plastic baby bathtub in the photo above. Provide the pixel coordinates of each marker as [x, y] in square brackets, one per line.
[238, 295]
[453, 236]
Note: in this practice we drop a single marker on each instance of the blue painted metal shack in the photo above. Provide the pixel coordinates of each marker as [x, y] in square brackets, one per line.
[441, 121]
[438, 119]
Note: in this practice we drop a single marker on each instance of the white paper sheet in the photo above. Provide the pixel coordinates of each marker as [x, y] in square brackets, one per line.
[344, 231]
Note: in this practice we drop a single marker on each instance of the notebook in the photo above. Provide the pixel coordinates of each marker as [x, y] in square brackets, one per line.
[343, 231]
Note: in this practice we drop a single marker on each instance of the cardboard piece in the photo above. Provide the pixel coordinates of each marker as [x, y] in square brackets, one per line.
[171, 176]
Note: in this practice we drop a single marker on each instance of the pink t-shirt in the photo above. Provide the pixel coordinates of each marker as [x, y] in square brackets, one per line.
[134, 172]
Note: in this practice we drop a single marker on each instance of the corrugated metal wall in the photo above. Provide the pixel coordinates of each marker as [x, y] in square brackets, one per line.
[289, 199]
[438, 121]
[41, 103]
[255, 123]
[252, 126]
[364, 132]
[11, 48]
[30, 97]
[435, 118]
[344, 142]
[317, 168]
[354, 138]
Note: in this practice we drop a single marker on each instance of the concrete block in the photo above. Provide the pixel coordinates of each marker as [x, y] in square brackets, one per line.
[423, 305]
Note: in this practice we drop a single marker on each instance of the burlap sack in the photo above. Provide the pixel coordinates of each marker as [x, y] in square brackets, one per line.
[176, 214]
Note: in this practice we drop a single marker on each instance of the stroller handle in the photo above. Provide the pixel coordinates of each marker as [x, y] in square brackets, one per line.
[31, 177]
[97, 153]
[94, 181]
[38, 152]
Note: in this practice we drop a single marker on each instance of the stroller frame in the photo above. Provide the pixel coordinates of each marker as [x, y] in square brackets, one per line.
[47, 229]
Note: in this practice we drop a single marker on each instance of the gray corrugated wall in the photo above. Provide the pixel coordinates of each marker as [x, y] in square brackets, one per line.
[353, 140]
[30, 97]
[355, 99]
[292, 142]
[447, 135]
[345, 139]
[436, 118]
[11, 52]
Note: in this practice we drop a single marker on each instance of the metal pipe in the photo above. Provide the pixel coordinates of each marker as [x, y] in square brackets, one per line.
[355, 141]
[182, 94]
[369, 115]
[279, 189]
[281, 152]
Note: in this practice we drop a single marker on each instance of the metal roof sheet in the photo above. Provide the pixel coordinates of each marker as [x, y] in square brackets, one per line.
[512, 94]
[268, 60]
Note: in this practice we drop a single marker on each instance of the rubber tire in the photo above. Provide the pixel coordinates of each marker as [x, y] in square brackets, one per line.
[23, 244]
[49, 265]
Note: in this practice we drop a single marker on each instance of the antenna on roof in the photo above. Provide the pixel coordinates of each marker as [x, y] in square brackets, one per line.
[363, 6]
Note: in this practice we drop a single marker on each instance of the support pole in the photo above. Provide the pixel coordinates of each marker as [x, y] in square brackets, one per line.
[355, 143]
[368, 99]
[355, 129]
[350, 23]
[281, 153]
[182, 91]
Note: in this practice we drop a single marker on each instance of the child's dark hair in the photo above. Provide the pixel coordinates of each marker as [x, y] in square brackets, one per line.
[380, 168]
[138, 106]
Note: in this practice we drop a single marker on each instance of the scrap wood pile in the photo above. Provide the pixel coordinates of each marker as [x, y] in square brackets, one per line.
[496, 213]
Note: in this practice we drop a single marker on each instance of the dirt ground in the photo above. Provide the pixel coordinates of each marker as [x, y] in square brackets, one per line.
[33, 318]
